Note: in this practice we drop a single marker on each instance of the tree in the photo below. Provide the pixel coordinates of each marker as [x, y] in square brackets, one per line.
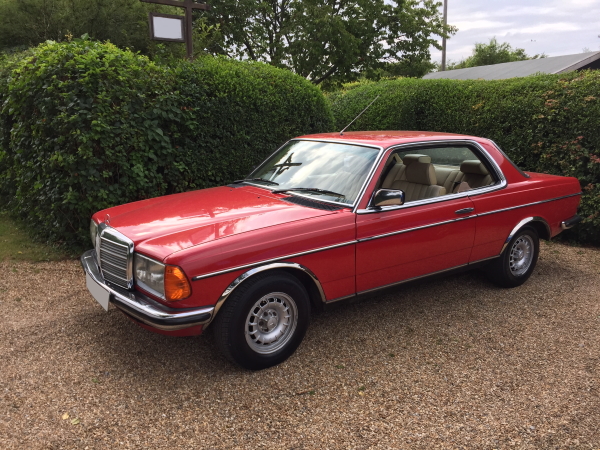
[328, 41]
[493, 53]
[25, 23]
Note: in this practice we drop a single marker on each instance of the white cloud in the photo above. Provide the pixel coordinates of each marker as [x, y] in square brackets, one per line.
[553, 27]
[469, 25]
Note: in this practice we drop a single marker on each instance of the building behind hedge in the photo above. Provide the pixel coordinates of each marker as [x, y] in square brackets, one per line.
[552, 66]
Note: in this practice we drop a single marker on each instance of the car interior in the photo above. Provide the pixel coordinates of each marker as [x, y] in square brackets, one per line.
[433, 172]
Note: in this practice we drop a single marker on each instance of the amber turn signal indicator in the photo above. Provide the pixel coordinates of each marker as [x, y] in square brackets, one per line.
[177, 286]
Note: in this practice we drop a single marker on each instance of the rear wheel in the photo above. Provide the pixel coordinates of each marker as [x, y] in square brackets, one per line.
[264, 321]
[518, 260]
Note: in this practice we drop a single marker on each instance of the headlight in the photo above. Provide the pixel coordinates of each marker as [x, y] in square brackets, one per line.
[93, 232]
[149, 274]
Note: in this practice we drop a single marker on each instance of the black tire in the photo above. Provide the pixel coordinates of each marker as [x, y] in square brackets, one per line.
[280, 306]
[518, 260]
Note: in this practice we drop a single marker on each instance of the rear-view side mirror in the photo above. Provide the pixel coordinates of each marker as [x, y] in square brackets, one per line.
[388, 197]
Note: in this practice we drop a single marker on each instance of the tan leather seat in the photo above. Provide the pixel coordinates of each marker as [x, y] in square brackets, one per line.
[475, 174]
[397, 172]
[419, 180]
[448, 178]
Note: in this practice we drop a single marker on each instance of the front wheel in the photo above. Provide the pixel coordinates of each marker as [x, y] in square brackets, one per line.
[518, 260]
[264, 321]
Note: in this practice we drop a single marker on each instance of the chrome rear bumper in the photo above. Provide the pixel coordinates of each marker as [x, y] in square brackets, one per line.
[142, 307]
[570, 223]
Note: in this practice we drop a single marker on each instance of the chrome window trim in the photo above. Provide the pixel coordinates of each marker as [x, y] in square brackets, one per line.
[267, 261]
[500, 184]
[243, 277]
[352, 205]
[512, 163]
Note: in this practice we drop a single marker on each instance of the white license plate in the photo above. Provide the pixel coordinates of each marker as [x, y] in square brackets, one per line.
[101, 295]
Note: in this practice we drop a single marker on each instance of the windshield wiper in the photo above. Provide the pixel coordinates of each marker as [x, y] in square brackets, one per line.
[256, 179]
[318, 191]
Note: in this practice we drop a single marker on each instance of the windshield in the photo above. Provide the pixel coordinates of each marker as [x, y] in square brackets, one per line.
[339, 169]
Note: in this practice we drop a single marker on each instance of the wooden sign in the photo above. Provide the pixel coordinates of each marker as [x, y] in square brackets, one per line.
[168, 27]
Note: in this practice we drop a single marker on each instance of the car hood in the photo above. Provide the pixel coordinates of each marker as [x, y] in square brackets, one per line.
[164, 225]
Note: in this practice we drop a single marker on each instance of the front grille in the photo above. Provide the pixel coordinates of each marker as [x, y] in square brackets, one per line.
[115, 258]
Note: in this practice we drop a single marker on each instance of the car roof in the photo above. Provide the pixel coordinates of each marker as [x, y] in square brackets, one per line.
[387, 138]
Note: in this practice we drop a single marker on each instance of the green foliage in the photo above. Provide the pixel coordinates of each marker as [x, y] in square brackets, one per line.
[413, 67]
[493, 53]
[330, 41]
[31, 22]
[546, 123]
[85, 126]
[26, 23]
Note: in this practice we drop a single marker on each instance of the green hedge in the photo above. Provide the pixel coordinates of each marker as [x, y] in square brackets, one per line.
[546, 123]
[85, 125]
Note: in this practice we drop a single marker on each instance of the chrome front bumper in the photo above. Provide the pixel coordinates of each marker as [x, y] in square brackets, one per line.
[142, 307]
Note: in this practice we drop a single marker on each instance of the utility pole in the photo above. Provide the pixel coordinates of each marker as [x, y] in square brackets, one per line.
[189, 6]
[444, 38]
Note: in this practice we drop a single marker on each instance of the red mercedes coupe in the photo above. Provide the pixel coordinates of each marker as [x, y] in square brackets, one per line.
[326, 218]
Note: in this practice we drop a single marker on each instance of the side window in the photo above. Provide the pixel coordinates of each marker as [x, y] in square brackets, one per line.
[428, 172]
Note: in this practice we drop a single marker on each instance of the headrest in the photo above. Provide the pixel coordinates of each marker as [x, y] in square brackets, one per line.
[408, 159]
[420, 173]
[473, 166]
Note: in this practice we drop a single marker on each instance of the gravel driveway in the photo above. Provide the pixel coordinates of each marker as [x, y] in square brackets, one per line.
[450, 363]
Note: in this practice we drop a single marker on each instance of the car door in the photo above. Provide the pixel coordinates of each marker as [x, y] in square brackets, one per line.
[406, 243]
[420, 237]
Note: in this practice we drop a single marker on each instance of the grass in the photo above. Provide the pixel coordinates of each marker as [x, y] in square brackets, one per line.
[17, 245]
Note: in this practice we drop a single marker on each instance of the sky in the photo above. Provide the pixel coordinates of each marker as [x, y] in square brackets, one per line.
[553, 27]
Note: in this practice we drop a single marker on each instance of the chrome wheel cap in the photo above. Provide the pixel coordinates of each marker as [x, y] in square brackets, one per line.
[521, 255]
[271, 323]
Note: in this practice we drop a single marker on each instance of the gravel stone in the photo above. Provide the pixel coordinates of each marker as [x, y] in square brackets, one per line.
[447, 363]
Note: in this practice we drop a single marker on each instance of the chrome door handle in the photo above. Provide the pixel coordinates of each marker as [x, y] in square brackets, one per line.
[464, 211]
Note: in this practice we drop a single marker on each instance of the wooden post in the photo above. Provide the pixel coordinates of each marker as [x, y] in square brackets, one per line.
[444, 38]
[189, 6]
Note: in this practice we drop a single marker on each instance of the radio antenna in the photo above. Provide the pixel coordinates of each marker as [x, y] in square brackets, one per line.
[369, 105]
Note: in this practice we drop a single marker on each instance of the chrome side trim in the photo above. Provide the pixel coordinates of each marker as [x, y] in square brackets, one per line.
[142, 307]
[267, 261]
[529, 204]
[520, 225]
[243, 277]
[416, 228]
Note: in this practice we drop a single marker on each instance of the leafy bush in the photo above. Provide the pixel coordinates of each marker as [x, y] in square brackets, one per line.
[85, 125]
[546, 123]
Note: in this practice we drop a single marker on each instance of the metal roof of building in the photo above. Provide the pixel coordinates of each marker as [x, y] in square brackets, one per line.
[554, 64]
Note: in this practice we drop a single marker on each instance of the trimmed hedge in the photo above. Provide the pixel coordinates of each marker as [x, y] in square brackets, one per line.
[546, 123]
[85, 126]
